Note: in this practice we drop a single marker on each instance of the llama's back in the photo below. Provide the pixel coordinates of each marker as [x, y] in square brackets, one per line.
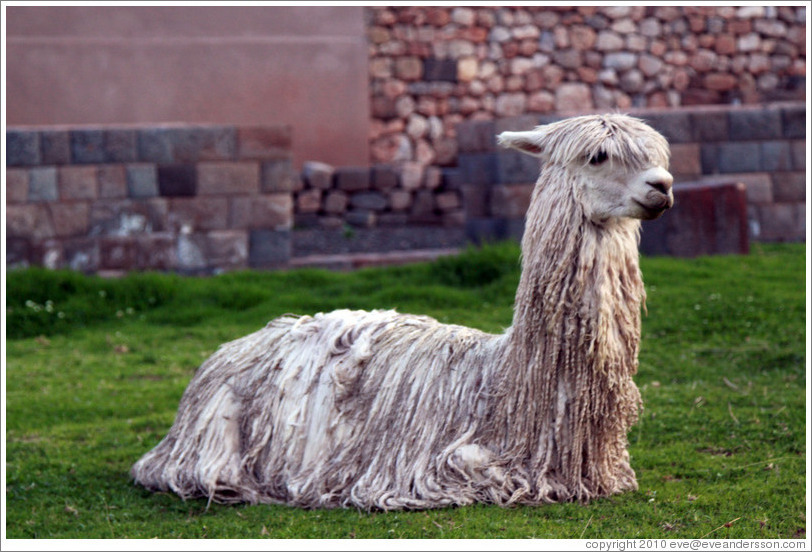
[336, 409]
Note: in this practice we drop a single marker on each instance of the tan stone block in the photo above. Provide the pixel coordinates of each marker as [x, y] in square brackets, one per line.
[272, 211]
[29, 221]
[227, 177]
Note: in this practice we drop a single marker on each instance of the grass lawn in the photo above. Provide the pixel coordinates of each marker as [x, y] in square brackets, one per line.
[95, 369]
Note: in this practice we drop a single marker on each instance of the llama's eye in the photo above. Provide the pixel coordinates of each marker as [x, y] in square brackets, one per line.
[598, 158]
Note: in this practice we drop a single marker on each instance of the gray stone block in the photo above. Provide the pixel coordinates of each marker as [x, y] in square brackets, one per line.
[269, 248]
[22, 148]
[187, 145]
[489, 230]
[87, 145]
[776, 156]
[476, 136]
[142, 181]
[762, 124]
[42, 184]
[798, 152]
[384, 177]
[737, 157]
[514, 167]
[710, 126]
[363, 218]
[793, 119]
[478, 168]
[435, 69]
[374, 240]
[120, 146]
[372, 201]
[352, 179]
[155, 145]
[452, 179]
[675, 126]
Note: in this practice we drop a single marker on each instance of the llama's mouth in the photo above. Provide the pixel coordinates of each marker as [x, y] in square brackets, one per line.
[653, 211]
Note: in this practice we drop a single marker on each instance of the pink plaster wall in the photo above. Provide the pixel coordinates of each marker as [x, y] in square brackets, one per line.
[303, 66]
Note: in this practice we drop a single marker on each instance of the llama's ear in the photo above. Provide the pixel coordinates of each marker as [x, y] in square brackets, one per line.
[528, 142]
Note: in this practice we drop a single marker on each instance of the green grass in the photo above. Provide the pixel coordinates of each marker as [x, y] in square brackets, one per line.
[719, 449]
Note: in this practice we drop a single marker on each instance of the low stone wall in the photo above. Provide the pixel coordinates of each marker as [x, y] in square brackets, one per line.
[763, 148]
[178, 198]
[200, 199]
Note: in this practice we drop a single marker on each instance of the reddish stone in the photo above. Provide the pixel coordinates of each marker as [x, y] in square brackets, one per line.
[411, 175]
[30, 221]
[227, 248]
[725, 44]
[155, 252]
[583, 37]
[117, 253]
[239, 211]
[400, 200]
[77, 182]
[112, 181]
[685, 160]
[70, 218]
[541, 102]
[720, 81]
[573, 97]
[308, 201]
[528, 47]
[438, 17]
[199, 213]
[447, 201]
[587, 75]
[335, 202]
[739, 26]
[16, 185]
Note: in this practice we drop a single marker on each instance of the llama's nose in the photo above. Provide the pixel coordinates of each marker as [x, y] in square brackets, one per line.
[662, 183]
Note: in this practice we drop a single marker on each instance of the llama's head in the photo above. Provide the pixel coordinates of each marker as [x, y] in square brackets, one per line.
[616, 164]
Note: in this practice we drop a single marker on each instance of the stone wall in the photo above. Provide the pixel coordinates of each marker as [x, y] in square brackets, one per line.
[179, 198]
[201, 199]
[432, 68]
[763, 148]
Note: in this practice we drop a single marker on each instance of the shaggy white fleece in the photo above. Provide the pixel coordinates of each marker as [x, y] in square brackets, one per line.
[392, 411]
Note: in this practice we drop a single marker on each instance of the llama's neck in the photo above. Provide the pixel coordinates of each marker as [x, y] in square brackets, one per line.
[565, 387]
[579, 277]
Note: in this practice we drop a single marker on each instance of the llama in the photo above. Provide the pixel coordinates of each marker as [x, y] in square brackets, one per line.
[382, 410]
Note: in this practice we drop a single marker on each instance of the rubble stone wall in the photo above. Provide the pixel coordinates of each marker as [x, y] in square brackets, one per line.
[431, 68]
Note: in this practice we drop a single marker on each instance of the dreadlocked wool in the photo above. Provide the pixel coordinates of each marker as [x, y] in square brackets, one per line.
[392, 411]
